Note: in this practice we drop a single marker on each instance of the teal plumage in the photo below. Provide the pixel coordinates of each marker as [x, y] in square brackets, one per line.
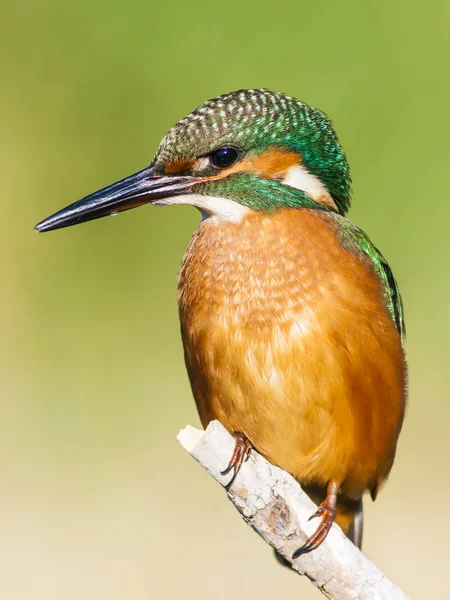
[354, 238]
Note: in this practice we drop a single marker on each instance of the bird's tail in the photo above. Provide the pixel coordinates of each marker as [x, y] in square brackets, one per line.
[355, 531]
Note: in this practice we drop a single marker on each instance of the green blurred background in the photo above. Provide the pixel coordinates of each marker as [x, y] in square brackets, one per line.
[97, 498]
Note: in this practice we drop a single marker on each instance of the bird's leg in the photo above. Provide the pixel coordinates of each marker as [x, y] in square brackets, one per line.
[326, 510]
[241, 452]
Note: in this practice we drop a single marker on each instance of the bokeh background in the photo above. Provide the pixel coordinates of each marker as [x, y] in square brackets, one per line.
[97, 498]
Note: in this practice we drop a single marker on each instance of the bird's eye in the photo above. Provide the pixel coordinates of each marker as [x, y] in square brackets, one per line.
[224, 157]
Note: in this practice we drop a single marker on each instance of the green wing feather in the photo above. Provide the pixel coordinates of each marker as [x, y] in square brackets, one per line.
[393, 297]
[357, 240]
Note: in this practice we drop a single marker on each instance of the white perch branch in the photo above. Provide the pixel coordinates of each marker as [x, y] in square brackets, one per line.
[275, 506]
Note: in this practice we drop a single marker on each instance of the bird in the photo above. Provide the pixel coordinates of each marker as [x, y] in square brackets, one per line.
[291, 320]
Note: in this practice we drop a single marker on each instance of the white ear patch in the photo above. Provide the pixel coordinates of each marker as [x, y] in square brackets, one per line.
[220, 209]
[298, 177]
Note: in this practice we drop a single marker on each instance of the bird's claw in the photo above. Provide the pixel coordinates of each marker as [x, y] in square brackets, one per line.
[326, 510]
[241, 453]
[319, 512]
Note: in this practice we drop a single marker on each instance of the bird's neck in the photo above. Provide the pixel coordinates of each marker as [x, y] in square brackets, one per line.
[266, 195]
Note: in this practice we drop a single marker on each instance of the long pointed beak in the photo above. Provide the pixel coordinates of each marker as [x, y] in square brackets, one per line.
[141, 188]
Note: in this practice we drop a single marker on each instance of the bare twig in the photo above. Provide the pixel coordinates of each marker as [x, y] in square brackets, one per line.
[275, 506]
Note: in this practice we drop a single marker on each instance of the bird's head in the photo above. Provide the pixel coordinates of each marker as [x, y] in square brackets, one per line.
[250, 149]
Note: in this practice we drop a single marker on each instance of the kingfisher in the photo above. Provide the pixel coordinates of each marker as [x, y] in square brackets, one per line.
[291, 319]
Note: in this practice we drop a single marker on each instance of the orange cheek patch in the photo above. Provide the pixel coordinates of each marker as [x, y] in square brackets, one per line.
[178, 165]
[274, 163]
[271, 164]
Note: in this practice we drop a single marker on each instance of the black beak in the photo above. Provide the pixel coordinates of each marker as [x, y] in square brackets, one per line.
[135, 190]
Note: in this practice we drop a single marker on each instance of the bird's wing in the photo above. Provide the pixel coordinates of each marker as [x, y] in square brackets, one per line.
[357, 240]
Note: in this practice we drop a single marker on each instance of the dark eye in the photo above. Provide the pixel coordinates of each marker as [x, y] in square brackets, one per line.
[224, 157]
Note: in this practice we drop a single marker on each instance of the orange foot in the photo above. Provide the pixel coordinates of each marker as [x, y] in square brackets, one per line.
[241, 452]
[326, 510]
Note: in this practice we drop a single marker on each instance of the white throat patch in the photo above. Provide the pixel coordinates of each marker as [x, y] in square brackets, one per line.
[300, 178]
[219, 209]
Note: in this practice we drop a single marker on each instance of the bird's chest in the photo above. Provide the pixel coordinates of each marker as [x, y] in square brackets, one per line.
[243, 283]
[250, 298]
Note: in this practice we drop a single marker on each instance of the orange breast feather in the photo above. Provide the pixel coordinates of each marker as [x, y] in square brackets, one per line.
[288, 341]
